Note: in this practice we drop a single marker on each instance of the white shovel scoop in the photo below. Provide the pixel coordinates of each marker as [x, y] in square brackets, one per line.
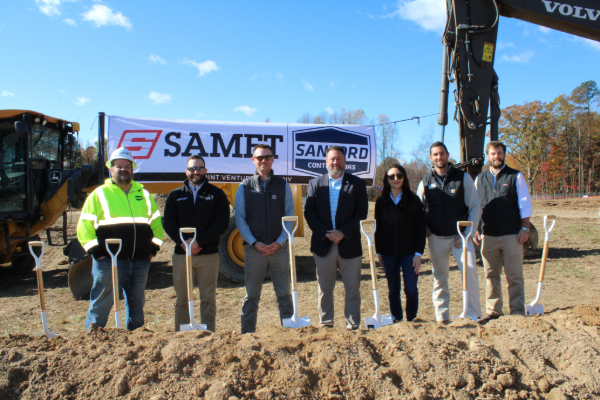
[534, 307]
[377, 320]
[465, 242]
[296, 321]
[115, 278]
[193, 325]
[40, 283]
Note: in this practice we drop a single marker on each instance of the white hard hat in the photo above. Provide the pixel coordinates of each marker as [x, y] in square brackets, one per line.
[121, 154]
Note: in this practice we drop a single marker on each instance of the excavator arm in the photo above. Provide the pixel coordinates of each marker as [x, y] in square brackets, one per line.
[468, 60]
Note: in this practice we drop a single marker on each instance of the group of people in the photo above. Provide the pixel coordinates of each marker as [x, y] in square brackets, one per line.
[336, 203]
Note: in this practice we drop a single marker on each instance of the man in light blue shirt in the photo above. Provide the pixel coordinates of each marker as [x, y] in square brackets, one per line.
[260, 203]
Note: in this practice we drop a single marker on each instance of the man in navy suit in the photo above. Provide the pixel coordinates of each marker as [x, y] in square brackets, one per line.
[335, 205]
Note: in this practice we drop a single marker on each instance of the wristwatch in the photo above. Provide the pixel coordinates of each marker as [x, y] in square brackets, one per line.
[524, 229]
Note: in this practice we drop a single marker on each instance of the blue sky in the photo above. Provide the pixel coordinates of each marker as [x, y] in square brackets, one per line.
[248, 61]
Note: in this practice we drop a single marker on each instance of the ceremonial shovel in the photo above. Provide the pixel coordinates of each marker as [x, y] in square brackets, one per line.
[377, 320]
[534, 307]
[115, 278]
[296, 321]
[465, 240]
[40, 283]
[193, 325]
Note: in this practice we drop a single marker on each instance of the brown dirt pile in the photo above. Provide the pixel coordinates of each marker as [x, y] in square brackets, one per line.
[554, 356]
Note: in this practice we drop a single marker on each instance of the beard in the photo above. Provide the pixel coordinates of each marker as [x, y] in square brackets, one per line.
[123, 178]
[336, 170]
[197, 179]
[497, 163]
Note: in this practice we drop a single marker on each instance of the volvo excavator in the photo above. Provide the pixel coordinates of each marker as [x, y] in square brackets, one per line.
[469, 41]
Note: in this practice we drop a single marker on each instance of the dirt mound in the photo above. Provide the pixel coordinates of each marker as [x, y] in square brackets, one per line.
[554, 356]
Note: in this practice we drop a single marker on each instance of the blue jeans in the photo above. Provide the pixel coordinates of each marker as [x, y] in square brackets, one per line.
[133, 275]
[392, 266]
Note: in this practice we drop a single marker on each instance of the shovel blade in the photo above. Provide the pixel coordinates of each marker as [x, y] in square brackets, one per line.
[296, 322]
[192, 327]
[47, 331]
[536, 309]
[377, 321]
[463, 316]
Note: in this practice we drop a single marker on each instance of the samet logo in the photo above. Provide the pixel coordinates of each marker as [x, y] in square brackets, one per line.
[140, 143]
[310, 146]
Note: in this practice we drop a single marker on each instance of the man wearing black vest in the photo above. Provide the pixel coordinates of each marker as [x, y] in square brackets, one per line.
[335, 204]
[506, 204]
[197, 204]
[260, 203]
[449, 196]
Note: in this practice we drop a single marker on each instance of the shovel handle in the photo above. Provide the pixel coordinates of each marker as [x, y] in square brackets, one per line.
[38, 271]
[553, 218]
[464, 238]
[294, 220]
[115, 270]
[363, 223]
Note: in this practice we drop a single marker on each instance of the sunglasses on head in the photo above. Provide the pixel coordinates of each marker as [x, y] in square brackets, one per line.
[192, 169]
[266, 158]
[393, 177]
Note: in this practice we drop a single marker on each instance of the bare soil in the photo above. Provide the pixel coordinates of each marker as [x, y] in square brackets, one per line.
[553, 356]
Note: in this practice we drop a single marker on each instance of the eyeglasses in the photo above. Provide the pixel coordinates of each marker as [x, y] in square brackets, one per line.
[266, 158]
[199, 169]
[393, 177]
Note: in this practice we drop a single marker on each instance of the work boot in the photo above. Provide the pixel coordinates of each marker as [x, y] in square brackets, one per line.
[487, 318]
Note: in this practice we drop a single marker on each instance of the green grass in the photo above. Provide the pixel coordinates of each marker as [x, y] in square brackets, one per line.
[591, 234]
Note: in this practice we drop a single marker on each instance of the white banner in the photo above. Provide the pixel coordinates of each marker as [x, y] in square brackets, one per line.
[161, 148]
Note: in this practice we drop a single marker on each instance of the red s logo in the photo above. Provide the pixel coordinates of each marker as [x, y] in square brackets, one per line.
[140, 143]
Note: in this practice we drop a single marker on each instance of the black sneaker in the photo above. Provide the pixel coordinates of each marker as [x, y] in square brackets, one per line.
[487, 318]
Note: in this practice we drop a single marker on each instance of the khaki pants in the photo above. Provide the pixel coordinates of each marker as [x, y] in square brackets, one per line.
[326, 277]
[440, 248]
[205, 271]
[255, 266]
[498, 251]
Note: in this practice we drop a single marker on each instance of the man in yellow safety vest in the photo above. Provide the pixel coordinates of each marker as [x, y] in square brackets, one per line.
[120, 209]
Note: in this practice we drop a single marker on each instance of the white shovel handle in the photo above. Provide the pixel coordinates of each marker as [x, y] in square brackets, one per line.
[186, 244]
[113, 256]
[369, 237]
[548, 230]
[38, 264]
[464, 223]
[294, 220]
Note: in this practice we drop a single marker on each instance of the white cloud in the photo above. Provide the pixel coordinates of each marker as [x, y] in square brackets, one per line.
[308, 86]
[199, 115]
[50, 7]
[6, 93]
[156, 59]
[280, 77]
[519, 58]
[544, 30]
[159, 98]
[203, 67]
[249, 111]
[254, 77]
[331, 84]
[101, 15]
[70, 22]
[591, 43]
[329, 110]
[428, 14]
[81, 101]
[504, 45]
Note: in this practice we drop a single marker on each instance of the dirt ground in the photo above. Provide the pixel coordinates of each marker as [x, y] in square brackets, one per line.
[554, 356]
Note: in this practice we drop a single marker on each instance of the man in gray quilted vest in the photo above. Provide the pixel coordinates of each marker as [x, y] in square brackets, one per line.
[260, 203]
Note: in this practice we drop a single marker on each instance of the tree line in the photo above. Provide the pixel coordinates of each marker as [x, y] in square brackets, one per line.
[555, 144]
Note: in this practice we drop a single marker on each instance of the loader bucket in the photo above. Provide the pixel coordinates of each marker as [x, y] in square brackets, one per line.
[80, 278]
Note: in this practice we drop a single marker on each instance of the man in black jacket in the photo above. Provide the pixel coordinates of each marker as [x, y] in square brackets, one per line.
[197, 204]
[335, 205]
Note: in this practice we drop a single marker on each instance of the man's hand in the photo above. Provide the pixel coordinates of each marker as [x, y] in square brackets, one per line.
[195, 249]
[380, 262]
[260, 247]
[522, 236]
[271, 249]
[150, 257]
[417, 264]
[335, 236]
[477, 238]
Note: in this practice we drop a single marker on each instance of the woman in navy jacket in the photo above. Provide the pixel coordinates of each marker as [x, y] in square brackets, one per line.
[400, 239]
